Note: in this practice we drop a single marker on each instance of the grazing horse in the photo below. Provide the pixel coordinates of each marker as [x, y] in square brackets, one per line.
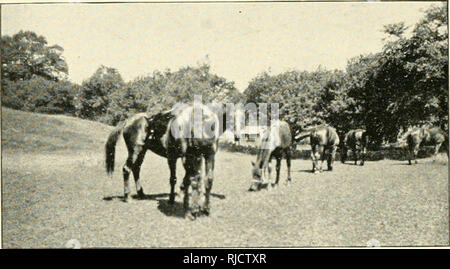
[323, 139]
[426, 136]
[275, 142]
[190, 133]
[357, 141]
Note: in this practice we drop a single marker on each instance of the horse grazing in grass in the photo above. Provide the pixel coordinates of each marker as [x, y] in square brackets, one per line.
[190, 133]
[425, 136]
[324, 141]
[357, 141]
[275, 142]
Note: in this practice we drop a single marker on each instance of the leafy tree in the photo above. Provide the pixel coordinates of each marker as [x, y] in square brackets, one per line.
[161, 90]
[40, 95]
[93, 98]
[305, 99]
[406, 83]
[27, 54]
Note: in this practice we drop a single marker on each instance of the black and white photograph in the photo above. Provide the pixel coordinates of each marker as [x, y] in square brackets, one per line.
[224, 125]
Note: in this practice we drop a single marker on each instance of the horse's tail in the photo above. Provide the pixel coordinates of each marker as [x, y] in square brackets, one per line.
[110, 147]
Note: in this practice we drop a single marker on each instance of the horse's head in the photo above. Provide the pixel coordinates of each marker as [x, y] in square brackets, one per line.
[256, 172]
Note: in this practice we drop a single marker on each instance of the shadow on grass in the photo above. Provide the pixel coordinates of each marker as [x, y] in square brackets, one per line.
[352, 163]
[310, 171]
[219, 196]
[175, 210]
[305, 171]
[136, 197]
[405, 163]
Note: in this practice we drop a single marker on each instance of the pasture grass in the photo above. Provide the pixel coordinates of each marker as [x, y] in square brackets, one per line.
[54, 188]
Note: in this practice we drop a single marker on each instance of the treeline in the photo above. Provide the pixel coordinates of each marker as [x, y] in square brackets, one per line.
[404, 84]
[34, 78]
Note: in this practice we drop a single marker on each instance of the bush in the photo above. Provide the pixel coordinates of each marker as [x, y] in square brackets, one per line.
[40, 95]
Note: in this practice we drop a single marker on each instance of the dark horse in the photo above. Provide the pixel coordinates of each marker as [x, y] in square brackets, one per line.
[275, 142]
[324, 141]
[426, 136]
[171, 134]
[356, 141]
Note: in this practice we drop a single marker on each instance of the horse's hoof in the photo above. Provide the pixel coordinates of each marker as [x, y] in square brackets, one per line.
[182, 187]
[190, 216]
[126, 198]
[141, 195]
[205, 210]
[254, 187]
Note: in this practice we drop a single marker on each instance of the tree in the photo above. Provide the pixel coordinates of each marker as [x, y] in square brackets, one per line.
[27, 54]
[40, 95]
[305, 99]
[93, 98]
[406, 83]
[162, 90]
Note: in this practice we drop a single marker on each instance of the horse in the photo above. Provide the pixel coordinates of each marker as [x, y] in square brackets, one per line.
[357, 141]
[173, 134]
[323, 138]
[425, 135]
[275, 142]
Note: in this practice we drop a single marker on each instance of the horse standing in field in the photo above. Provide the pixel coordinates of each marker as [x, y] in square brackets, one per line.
[275, 142]
[425, 136]
[357, 141]
[190, 133]
[324, 141]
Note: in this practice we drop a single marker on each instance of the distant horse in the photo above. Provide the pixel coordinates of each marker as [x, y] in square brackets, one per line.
[357, 141]
[425, 136]
[275, 142]
[171, 135]
[324, 141]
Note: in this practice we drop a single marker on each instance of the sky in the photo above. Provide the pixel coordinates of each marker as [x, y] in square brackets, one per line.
[238, 40]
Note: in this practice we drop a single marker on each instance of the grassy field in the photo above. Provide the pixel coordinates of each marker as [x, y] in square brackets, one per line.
[54, 188]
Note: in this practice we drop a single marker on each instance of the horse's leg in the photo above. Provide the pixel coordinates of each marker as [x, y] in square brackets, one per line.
[322, 156]
[172, 161]
[209, 171]
[136, 170]
[409, 152]
[277, 168]
[129, 167]
[436, 151]
[193, 162]
[269, 172]
[126, 176]
[356, 152]
[415, 151]
[314, 157]
[331, 156]
[363, 155]
[288, 163]
[343, 154]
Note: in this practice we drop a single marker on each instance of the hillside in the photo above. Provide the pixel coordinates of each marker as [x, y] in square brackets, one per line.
[33, 132]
